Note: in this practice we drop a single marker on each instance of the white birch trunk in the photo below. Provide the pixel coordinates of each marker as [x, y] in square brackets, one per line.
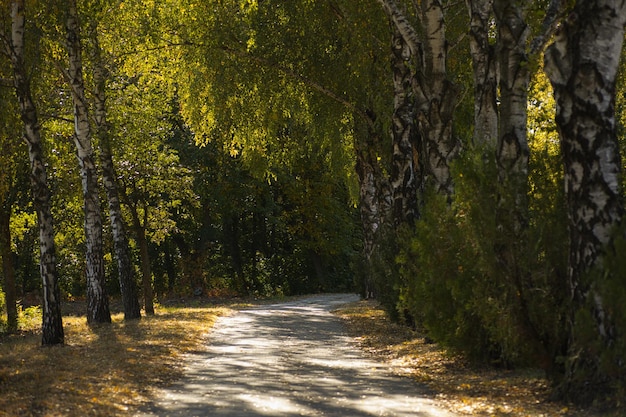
[441, 94]
[126, 272]
[375, 200]
[582, 65]
[512, 148]
[52, 325]
[405, 177]
[435, 94]
[97, 300]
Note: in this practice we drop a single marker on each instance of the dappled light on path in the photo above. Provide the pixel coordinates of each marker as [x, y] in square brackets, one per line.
[290, 359]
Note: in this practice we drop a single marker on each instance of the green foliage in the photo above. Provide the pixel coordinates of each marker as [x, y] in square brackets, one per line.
[612, 288]
[595, 364]
[30, 318]
[454, 287]
[447, 259]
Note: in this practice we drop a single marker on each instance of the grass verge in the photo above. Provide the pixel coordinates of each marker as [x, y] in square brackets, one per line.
[103, 370]
[464, 389]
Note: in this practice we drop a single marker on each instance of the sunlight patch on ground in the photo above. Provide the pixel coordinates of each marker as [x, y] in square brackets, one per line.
[404, 405]
[271, 405]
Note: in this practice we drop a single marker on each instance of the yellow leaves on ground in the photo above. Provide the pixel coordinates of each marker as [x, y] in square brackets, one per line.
[102, 369]
[463, 388]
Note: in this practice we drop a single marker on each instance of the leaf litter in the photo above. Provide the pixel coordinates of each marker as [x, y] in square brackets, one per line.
[463, 388]
[102, 370]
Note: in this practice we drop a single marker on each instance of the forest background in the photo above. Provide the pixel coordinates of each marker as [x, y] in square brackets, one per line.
[411, 151]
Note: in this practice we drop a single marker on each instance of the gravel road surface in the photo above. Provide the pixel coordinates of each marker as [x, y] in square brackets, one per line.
[289, 359]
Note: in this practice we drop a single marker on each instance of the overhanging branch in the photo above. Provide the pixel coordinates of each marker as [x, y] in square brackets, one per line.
[307, 81]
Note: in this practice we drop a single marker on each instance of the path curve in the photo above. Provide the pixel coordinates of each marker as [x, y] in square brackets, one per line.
[289, 359]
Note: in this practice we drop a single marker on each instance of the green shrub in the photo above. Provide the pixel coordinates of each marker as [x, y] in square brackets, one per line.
[442, 263]
[454, 286]
[595, 368]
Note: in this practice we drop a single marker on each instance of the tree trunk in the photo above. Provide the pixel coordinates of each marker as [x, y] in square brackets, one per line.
[146, 270]
[97, 300]
[485, 75]
[52, 324]
[441, 100]
[405, 178]
[374, 201]
[126, 272]
[436, 96]
[232, 236]
[8, 269]
[582, 65]
[512, 149]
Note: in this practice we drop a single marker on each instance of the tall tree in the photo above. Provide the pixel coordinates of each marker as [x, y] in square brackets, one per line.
[97, 300]
[126, 271]
[374, 196]
[7, 191]
[52, 325]
[582, 65]
[11, 160]
[435, 94]
[406, 176]
[512, 149]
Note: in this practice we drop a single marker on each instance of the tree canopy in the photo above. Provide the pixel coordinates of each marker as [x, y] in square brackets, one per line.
[417, 152]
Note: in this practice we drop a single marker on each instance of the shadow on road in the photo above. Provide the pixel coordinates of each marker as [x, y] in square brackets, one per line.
[290, 359]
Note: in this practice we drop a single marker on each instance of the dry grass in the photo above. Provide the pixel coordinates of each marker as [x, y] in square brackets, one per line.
[111, 370]
[464, 389]
[105, 370]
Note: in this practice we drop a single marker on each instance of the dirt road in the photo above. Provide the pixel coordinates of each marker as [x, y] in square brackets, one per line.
[289, 359]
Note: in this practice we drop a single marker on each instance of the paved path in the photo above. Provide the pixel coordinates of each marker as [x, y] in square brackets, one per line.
[289, 359]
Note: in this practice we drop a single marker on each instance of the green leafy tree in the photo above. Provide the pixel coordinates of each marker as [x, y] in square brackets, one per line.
[154, 186]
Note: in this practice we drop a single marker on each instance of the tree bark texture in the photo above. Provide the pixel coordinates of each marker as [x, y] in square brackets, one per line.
[8, 268]
[485, 74]
[146, 271]
[406, 175]
[126, 272]
[97, 300]
[139, 229]
[436, 96]
[582, 65]
[442, 97]
[374, 200]
[512, 147]
[368, 203]
[52, 325]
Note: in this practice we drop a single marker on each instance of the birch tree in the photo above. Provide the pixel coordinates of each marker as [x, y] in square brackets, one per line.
[435, 94]
[97, 300]
[406, 176]
[15, 48]
[374, 198]
[485, 74]
[582, 66]
[126, 271]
